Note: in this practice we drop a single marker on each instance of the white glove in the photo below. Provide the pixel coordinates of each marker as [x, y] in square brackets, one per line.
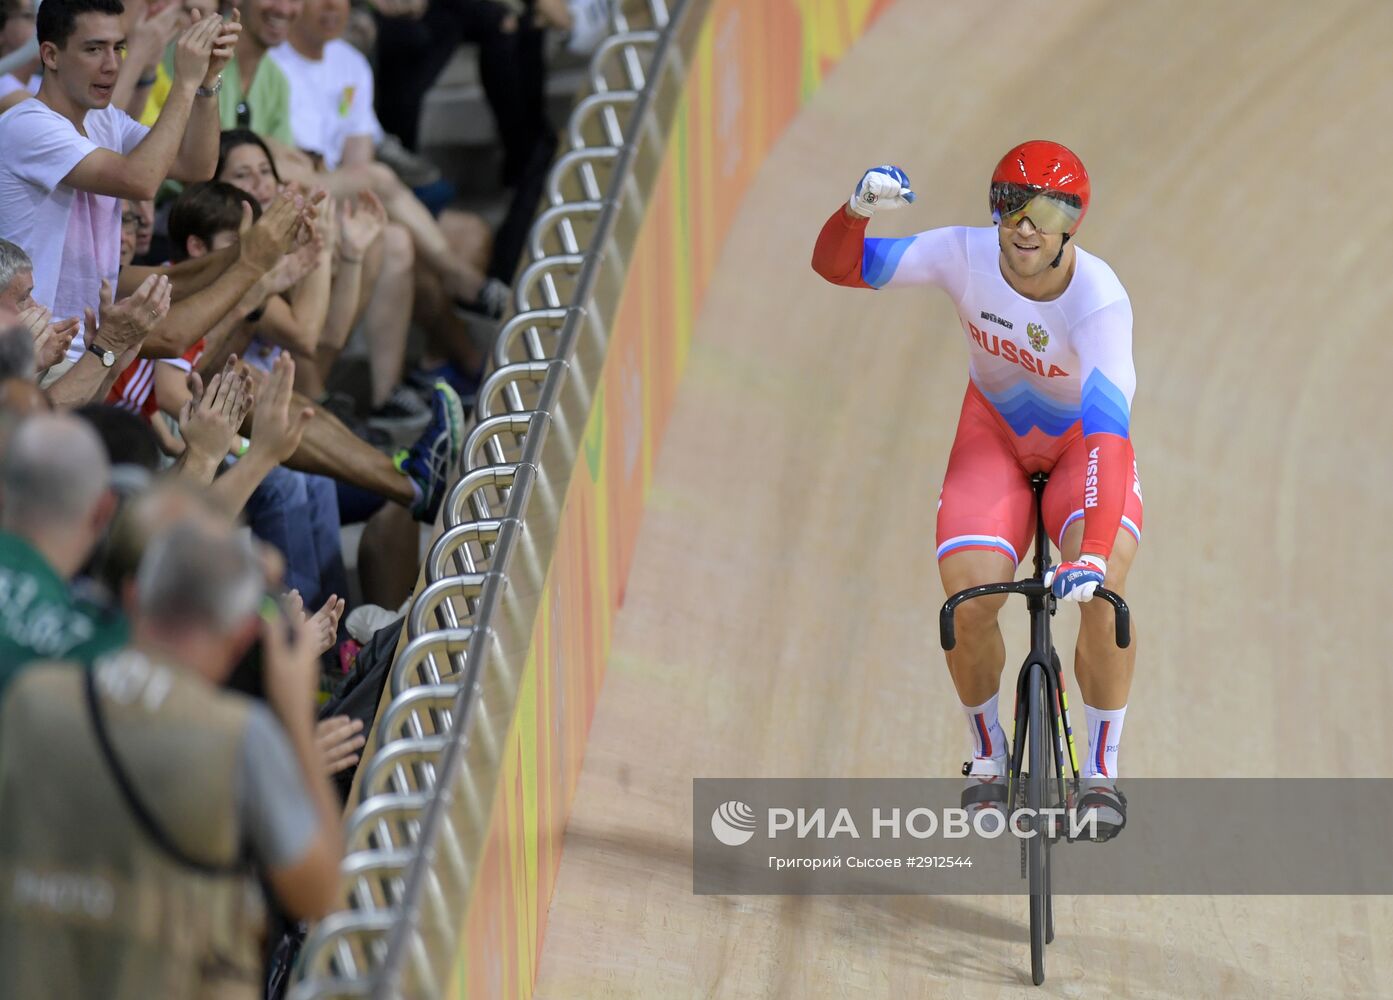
[880, 187]
[1076, 581]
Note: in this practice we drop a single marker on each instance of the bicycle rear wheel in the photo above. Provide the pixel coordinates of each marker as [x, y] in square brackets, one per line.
[1041, 763]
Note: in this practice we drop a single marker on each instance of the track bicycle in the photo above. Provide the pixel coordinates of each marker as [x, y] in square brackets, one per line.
[1039, 688]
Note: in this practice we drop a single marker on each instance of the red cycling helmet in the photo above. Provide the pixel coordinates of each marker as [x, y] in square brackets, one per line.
[1043, 180]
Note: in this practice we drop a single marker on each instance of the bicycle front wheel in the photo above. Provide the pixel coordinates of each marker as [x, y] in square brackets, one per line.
[1041, 764]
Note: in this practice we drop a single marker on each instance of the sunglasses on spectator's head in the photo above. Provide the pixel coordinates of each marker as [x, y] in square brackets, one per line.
[244, 115]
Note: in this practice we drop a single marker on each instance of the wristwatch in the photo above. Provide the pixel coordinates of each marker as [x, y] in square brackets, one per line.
[212, 91]
[108, 358]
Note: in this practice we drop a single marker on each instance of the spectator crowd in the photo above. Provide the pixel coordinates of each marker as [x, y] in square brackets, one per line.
[201, 207]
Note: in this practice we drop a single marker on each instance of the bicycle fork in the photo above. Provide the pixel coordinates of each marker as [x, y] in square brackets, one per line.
[1061, 721]
[1057, 697]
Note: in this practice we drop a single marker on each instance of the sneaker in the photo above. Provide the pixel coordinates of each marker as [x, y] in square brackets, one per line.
[427, 462]
[492, 301]
[1100, 796]
[404, 410]
[424, 379]
[984, 786]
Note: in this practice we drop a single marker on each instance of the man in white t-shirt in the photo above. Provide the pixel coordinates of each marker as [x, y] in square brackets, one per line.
[69, 156]
[331, 96]
[331, 114]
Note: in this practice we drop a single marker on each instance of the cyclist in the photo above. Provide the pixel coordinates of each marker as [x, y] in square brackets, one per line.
[1050, 382]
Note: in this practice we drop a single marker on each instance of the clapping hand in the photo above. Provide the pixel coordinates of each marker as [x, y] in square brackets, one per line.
[276, 431]
[205, 47]
[361, 221]
[224, 46]
[124, 325]
[324, 623]
[209, 420]
[288, 223]
[51, 340]
[194, 48]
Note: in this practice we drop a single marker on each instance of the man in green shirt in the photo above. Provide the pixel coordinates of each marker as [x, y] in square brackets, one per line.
[54, 507]
[255, 93]
[263, 107]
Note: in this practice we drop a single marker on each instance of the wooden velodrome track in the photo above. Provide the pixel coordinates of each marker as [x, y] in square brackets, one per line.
[779, 617]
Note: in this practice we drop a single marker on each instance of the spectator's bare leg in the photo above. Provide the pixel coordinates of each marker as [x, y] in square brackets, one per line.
[308, 380]
[461, 280]
[326, 354]
[331, 449]
[372, 270]
[448, 335]
[387, 319]
[388, 556]
[469, 236]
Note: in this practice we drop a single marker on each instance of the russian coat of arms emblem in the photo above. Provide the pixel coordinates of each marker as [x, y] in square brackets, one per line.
[1039, 337]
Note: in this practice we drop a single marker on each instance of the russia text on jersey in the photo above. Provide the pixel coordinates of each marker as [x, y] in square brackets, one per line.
[1014, 353]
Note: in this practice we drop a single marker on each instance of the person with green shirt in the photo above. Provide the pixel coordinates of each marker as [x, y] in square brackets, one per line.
[55, 503]
[255, 92]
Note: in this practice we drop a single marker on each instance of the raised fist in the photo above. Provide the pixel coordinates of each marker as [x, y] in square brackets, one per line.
[880, 187]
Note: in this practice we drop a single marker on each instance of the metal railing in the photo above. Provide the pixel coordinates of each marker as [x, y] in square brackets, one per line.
[417, 834]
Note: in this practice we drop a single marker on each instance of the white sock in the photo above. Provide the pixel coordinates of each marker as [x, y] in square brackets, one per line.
[1104, 737]
[985, 738]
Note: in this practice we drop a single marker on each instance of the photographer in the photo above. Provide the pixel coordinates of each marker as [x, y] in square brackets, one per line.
[198, 792]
